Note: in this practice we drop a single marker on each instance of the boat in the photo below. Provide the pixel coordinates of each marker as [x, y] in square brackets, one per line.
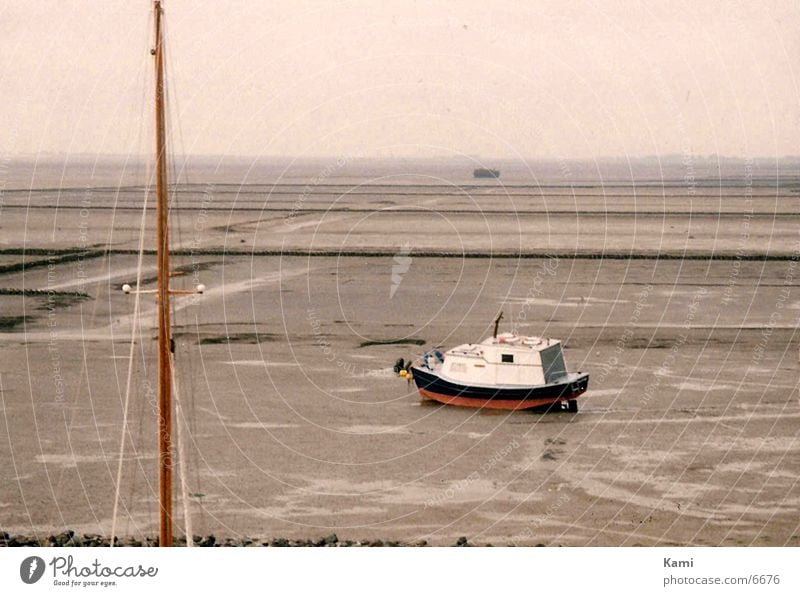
[485, 173]
[504, 372]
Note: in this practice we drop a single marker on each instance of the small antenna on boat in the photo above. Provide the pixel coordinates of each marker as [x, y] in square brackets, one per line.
[497, 323]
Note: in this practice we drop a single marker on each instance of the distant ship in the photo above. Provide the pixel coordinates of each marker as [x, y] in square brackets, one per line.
[486, 173]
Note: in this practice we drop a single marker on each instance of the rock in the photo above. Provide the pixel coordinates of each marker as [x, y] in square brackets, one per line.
[92, 540]
[69, 538]
[209, 540]
[462, 541]
[279, 542]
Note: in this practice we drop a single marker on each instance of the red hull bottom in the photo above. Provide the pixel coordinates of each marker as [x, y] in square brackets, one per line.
[494, 404]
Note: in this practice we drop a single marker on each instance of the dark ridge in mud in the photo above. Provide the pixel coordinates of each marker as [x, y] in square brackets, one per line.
[61, 301]
[48, 299]
[454, 211]
[29, 292]
[69, 255]
[237, 338]
[612, 256]
[393, 342]
[553, 449]
[11, 323]
[55, 257]
[46, 252]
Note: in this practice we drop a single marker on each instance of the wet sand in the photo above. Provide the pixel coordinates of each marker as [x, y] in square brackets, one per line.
[294, 425]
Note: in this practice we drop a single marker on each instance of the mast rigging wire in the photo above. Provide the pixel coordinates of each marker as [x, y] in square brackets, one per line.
[134, 329]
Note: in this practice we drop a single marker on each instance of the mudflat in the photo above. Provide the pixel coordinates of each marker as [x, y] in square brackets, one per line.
[292, 424]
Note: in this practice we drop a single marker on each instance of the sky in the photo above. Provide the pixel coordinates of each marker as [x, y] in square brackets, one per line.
[530, 79]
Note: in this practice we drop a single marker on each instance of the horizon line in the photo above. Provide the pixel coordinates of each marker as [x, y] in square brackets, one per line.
[351, 157]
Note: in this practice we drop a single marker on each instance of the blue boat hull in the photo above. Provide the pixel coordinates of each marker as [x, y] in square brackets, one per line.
[432, 386]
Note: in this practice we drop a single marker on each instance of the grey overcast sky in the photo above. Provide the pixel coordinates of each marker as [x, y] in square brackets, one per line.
[561, 78]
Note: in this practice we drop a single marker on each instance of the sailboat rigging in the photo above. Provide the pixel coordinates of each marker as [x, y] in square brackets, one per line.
[162, 298]
[163, 294]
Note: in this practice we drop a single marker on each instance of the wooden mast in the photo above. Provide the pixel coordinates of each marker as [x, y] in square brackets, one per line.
[162, 298]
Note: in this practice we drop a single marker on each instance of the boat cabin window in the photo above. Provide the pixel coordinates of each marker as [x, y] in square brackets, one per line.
[507, 358]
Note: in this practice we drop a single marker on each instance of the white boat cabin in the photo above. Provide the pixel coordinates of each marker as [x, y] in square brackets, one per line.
[507, 359]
